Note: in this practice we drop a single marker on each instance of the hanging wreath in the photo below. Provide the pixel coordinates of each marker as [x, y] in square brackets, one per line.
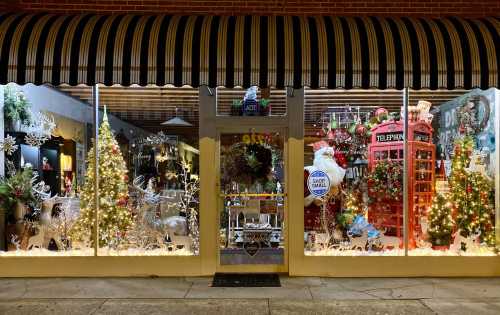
[247, 163]
[385, 181]
[473, 115]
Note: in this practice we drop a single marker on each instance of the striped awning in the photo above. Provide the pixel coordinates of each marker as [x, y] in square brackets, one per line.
[345, 52]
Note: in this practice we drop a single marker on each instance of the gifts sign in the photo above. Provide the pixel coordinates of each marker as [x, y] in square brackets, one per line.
[318, 183]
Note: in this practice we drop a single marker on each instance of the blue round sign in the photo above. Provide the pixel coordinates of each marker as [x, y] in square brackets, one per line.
[318, 183]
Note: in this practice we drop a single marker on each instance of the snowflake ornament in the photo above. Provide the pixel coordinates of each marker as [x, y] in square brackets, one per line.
[8, 145]
[35, 140]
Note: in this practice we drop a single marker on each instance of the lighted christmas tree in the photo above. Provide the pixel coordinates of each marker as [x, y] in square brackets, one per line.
[353, 205]
[471, 194]
[114, 216]
[440, 220]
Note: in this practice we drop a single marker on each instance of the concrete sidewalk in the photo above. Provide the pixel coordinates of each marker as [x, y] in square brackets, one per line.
[296, 296]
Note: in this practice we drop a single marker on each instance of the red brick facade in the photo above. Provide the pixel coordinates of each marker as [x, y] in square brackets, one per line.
[428, 8]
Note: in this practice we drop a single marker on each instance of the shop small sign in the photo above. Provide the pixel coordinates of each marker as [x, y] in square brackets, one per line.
[318, 183]
[390, 136]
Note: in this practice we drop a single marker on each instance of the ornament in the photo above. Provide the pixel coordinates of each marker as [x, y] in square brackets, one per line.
[35, 140]
[8, 145]
[381, 114]
[352, 129]
[361, 130]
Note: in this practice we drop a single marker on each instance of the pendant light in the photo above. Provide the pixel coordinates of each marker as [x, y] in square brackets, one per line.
[176, 121]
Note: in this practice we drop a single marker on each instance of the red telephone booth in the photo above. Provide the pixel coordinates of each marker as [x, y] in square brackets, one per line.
[387, 143]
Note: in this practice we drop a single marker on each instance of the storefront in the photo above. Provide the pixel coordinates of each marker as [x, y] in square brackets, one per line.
[304, 145]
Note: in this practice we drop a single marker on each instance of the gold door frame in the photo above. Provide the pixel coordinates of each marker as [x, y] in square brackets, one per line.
[238, 127]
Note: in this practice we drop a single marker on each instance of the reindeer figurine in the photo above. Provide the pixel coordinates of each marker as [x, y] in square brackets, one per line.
[45, 231]
[388, 241]
[175, 227]
[358, 242]
[471, 242]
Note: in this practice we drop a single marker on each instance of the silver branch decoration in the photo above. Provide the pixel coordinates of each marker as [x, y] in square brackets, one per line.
[8, 145]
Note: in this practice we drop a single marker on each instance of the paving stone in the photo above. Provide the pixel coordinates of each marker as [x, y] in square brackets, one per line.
[365, 284]
[49, 307]
[281, 307]
[107, 288]
[12, 288]
[307, 281]
[338, 293]
[423, 291]
[200, 291]
[185, 307]
[465, 307]
[467, 288]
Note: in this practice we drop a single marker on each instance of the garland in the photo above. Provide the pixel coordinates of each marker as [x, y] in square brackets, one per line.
[385, 181]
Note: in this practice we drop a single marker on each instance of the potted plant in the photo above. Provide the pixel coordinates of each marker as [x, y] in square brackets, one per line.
[16, 109]
[16, 192]
[264, 107]
[237, 108]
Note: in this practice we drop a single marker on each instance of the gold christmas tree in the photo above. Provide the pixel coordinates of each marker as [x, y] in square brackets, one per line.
[114, 216]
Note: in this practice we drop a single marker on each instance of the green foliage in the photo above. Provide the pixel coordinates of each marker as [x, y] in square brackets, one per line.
[16, 188]
[16, 107]
[385, 181]
[264, 102]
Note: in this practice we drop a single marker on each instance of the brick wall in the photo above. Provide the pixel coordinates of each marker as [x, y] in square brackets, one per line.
[430, 8]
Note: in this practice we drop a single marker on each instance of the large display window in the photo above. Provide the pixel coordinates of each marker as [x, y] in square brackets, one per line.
[361, 145]
[353, 173]
[43, 162]
[458, 214]
[146, 170]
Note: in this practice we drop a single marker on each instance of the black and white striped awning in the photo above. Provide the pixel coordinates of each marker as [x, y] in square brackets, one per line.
[250, 50]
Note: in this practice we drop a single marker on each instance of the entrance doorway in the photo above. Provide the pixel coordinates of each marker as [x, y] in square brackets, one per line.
[252, 199]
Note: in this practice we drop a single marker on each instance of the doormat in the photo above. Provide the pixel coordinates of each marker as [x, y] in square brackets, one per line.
[246, 280]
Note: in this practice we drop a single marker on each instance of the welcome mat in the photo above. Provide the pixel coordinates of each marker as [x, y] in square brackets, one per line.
[248, 280]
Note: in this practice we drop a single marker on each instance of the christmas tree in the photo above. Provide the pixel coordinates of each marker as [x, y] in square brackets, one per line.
[114, 216]
[440, 221]
[472, 194]
[353, 206]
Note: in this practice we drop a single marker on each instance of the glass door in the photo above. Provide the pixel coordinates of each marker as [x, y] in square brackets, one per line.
[252, 199]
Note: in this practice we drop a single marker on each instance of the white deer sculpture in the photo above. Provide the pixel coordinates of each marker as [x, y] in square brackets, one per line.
[175, 226]
[358, 242]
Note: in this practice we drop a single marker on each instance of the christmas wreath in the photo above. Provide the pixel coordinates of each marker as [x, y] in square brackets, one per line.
[473, 115]
[247, 163]
[385, 181]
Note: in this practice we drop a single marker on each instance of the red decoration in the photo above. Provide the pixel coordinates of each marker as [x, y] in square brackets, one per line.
[361, 130]
[122, 201]
[387, 144]
[340, 159]
[115, 149]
